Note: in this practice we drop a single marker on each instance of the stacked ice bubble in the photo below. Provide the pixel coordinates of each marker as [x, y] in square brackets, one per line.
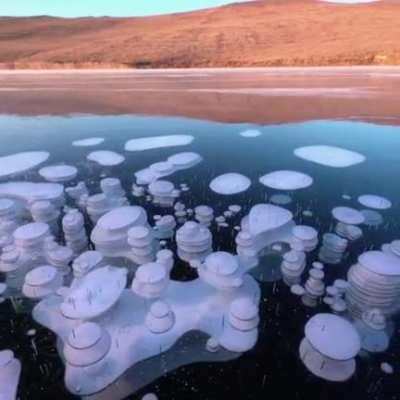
[374, 282]
[314, 287]
[8, 221]
[194, 241]
[110, 235]
[332, 249]
[204, 215]
[45, 211]
[372, 330]
[305, 238]
[143, 244]
[27, 252]
[348, 219]
[321, 351]
[165, 227]
[163, 192]
[74, 231]
[41, 282]
[293, 265]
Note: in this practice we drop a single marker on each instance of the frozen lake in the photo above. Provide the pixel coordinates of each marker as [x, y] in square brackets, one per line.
[357, 110]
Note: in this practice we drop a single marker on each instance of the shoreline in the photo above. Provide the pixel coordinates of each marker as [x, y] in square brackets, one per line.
[285, 69]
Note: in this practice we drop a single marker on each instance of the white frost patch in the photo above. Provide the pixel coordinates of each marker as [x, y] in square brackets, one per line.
[286, 180]
[94, 141]
[106, 158]
[157, 142]
[374, 201]
[250, 133]
[330, 156]
[230, 183]
[58, 173]
[21, 162]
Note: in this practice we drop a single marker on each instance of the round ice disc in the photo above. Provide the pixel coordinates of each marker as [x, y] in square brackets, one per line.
[333, 336]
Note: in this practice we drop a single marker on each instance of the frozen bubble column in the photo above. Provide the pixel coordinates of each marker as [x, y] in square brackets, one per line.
[27, 252]
[60, 257]
[392, 248]
[79, 194]
[314, 287]
[110, 235]
[293, 265]
[348, 218]
[372, 330]
[222, 270]
[86, 262]
[246, 249]
[374, 282]
[73, 225]
[204, 215]
[87, 347]
[164, 310]
[9, 221]
[332, 249]
[114, 193]
[163, 193]
[44, 211]
[10, 371]
[330, 345]
[151, 281]
[265, 225]
[240, 330]
[41, 282]
[143, 245]
[305, 238]
[165, 227]
[194, 241]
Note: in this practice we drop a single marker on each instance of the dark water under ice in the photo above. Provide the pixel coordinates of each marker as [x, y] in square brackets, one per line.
[273, 368]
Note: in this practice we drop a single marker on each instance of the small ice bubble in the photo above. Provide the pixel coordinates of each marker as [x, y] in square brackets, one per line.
[106, 158]
[387, 368]
[150, 396]
[250, 133]
[94, 141]
[231, 183]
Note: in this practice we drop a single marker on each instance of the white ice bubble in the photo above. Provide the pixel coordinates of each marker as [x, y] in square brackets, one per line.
[348, 215]
[157, 142]
[280, 199]
[374, 201]
[231, 183]
[329, 156]
[250, 133]
[106, 158]
[21, 162]
[58, 173]
[286, 180]
[94, 141]
[184, 160]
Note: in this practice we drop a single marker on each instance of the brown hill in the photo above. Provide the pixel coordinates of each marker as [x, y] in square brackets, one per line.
[258, 33]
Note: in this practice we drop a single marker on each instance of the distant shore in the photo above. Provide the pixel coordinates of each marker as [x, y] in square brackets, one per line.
[259, 95]
[283, 70]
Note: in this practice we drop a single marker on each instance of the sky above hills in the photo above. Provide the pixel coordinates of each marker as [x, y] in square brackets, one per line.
[76, 8]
